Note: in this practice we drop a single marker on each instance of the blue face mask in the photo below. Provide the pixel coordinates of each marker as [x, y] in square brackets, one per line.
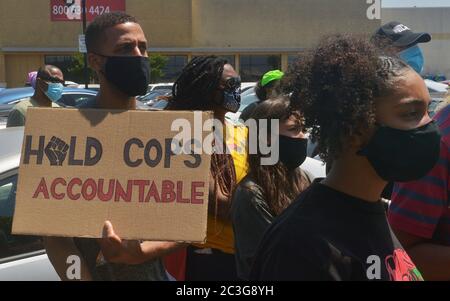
[413, 56]
[54, 91]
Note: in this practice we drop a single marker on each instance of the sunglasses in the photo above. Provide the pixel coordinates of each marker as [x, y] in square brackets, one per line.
[233, 83]
[52, 80]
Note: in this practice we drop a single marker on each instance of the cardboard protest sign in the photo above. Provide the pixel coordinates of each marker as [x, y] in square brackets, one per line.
[82, 167]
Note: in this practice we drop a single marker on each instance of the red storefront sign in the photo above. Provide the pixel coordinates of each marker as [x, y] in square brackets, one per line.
[70, 10]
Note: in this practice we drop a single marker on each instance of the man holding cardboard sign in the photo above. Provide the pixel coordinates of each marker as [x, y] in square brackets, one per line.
[76, 176]
[116, 48]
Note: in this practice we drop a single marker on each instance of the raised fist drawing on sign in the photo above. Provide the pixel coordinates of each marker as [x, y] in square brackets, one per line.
[56, 151]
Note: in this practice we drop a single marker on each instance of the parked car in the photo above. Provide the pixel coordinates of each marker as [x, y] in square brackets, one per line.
[159, 105]
[14, 95]
[247, 85]
[70, 97]
[160, 86]
[4, 112]
[21, 257]
[446, 82]
[438, 92]
[153, 96]
[10, 97]
[71, 84]
[94, 87]
[435, 87]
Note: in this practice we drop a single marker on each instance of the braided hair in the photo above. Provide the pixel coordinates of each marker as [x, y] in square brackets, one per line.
[194, 91]
[195, 87]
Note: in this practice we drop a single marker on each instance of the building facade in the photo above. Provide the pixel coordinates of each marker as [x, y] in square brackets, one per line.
[255, 35]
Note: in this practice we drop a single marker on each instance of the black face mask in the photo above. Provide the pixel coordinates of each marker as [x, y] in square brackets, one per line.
[129, 74]
[403, 156]
[232, 95]
[292, 151]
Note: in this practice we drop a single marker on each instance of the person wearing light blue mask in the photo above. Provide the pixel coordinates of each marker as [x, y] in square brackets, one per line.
[48, 90]
[413, 56]
[54, 91]
[397, 38]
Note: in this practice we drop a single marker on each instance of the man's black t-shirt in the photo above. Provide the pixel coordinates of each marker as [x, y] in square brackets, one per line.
[329, 235]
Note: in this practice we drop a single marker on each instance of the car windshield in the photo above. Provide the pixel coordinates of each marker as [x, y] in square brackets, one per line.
[160, 104]
[154, 94]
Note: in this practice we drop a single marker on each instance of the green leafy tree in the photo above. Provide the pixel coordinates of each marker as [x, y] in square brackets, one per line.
[76, 71]
[157, 64]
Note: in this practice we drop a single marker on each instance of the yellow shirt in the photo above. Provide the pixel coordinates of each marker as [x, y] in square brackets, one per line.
[237, 143]
[220, 233]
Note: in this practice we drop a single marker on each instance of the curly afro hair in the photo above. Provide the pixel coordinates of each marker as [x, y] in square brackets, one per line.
[335, 86]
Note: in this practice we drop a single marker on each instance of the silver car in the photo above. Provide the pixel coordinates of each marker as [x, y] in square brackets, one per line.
[21, 257]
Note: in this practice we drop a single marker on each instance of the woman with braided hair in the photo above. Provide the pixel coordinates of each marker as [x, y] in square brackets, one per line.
[209, 83]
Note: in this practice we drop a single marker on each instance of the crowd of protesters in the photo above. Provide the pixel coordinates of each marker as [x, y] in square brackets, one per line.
[365, 105]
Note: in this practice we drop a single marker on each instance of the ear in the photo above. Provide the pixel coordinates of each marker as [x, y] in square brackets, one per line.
[359, 140]
[356, 142]
[95, 62]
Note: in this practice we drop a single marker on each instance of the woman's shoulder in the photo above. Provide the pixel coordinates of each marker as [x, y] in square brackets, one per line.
[249, 193]
[249, 185]
[249, 200]
[309, 177]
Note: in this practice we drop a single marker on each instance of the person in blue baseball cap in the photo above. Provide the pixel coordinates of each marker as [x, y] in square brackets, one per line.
[400, 39]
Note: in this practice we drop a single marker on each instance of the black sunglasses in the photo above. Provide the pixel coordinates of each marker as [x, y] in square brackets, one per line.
[52, 80]
[233, 83]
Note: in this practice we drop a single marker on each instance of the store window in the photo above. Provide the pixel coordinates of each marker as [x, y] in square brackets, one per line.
[254, 66]
[173, 67]
[292, 58]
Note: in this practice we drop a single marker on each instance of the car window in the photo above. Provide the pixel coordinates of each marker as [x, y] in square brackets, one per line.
[13, 245]
[75, 99]
[162, 88]
[150, 96]
[160, 105]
